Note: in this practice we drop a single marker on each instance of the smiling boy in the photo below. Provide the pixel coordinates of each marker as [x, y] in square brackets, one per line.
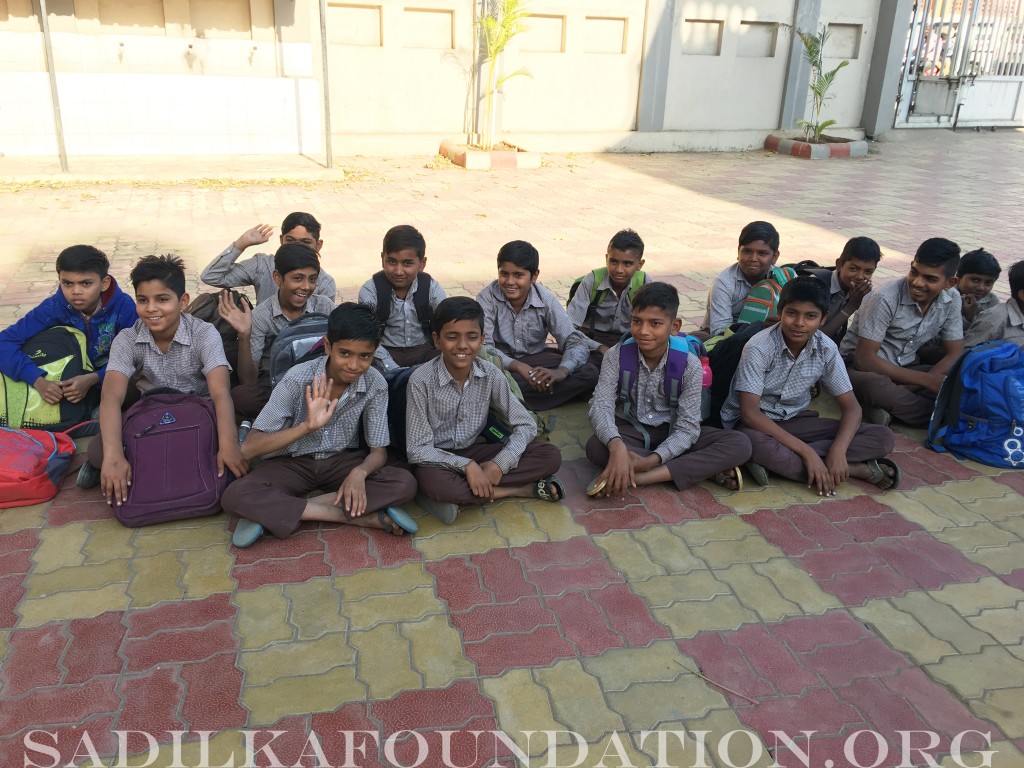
[403, 297]
[882, 344]
[849, 284]
[449, 399]
[770, 395]
[519, 313]
[757, 253]
[308, 434]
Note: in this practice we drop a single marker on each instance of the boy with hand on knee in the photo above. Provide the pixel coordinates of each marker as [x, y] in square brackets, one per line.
[308, 435]
[757, 253]
[603, 300]
[883, 342]
[647, 439]
[403, 297]
[449, 399]
[771, 392]
[258, 271]
[519, 313]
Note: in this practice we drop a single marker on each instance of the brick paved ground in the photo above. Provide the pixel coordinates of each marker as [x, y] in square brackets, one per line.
[888, 612]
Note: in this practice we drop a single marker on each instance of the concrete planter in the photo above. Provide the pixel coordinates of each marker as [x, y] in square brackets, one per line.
[473, 159]
[833, 148]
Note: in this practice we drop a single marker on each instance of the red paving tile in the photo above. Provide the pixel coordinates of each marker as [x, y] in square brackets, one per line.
[557, 579]
[542, 554]
[67, 705]
[726, 665]
[21, 541]
[84, 511]
[933, 468]
[474, 744]
[16, 561]
[935, 704]
[291, 571]
[450, 707]
[522, 616]
[1014, 578]
[857, 588]
[539, 648]
[340, 737]
[34, 659]
[630, 518]
[628, 615]
[93, 648]
[302, 542]
[700, 500]
[151, 703]
[77, 744]
[11, 592]
[458, 583]
[178, 645]
[842, 510]
[770, 658]
[392, 550]
[779, 530]
[502, 575]
[806, 633]
[187, 614]
[900, 554]
[1013, 480]
[839, 665]
[871, 528]
[347, 549]
[280, 743]
[212, 691]
[667, 505]
[584, 623]
[884, 710]
[817, 710]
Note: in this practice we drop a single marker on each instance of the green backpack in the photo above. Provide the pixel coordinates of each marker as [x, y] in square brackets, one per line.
[596, 295]
[62, 352]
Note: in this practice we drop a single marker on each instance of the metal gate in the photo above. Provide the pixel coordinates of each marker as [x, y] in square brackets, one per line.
[964, 65]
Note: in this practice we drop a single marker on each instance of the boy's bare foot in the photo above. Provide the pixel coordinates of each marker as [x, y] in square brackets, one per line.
[883, 472]
[731, 479]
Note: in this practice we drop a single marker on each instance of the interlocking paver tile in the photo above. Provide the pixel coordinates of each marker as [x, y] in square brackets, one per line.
[389, 672]
[60, 547]
[1004, 624]
[436, 651]
[294, 658]
[155, 579]
[79, 577]
[322, 692]
[903, 631]
[375, 609]
[72, 605]
[943, 622]
[523, 704]
[969, 599]
[577, 701]
[213, 685]
[971, 675]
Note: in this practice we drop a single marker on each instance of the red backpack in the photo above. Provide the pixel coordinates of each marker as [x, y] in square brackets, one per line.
[32, 465]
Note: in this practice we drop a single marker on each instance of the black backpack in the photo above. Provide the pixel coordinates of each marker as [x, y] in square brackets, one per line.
[205, 307]
[421, 300]
[725, 359]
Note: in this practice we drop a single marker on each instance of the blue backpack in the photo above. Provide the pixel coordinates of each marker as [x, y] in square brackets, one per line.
[979, 411]
[679, 350]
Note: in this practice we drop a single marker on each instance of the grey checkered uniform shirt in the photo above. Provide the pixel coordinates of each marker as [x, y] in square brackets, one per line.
[403, 327]
[611, 314]
[258, 272]
[268, 320]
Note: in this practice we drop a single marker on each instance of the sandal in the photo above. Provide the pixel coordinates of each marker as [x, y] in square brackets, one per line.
[759, 473]
[723, 479]
[395, 519]
[549, 489]
[596, 485]
[879, 475]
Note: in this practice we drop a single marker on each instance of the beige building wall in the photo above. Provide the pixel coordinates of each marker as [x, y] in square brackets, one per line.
[851, 36]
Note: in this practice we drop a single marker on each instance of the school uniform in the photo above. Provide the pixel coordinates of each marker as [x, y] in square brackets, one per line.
[523, 336]
[609, 318]
[195, 350]
[1004, 321]
[891, 317]
[268, 320]
[837, 298]
[258, 271]
[725, 300]
[273, 494]
[783, 382]
[691, 452]
[403, 342]
[443, 425]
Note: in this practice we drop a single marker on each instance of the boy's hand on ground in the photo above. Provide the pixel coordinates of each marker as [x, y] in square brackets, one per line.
[115, 479]
[50, 391]
[479, 483]
[619, 471]
[839, 468]
[970, 307]
[230, 458]
[352, 494]
[77, 387]
[319, 406]
[239, 318]
[818, 476]
[256, 236]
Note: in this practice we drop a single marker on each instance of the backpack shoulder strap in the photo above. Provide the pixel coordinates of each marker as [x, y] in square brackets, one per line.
[629, 363]
[675, 367]
[636, 283]
[597, 295]
[384, 293]
[421, 300]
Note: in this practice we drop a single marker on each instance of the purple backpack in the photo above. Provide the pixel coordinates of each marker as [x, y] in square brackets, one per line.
[170, 441]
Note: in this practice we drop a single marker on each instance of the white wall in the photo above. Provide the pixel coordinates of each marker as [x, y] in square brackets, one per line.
[852, 25]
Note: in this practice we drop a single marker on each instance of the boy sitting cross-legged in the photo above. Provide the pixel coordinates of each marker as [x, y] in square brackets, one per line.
[308, 434]
[601, 305]
[757, 253]
[519, 313]
[404, 298]
[771, 392]
[645, 440]
[166, 348]
[449, 399]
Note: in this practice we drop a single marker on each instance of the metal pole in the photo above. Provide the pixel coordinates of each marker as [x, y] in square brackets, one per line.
[54, 98]
[327, 87]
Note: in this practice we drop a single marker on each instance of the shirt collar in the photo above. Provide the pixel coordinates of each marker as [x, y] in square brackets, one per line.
[813, 346]
[836, 287]
[533, 299]
[183, 334]
[944, 296]
[444, 377]
[1014, 315]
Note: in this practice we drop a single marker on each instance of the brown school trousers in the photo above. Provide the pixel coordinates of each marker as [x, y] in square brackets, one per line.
[409, 356]
[607, 338]
[871, 441]
[273, 494]
[581, 382]
[249, 400]
[714, 451]
[910, 404]
[538, 461]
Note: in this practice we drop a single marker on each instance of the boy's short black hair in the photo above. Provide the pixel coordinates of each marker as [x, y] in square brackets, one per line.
[939, 252]
[1016, 279]
[760, 230]
[403, 237]
[979, 262]
[300, 219]
[805, 288]
[862, 249]
[520, 253]
[627, 240]
[292, 256]
[660, 296]
[82, 259]
[456, 308]
[168, 269]
[353, 321]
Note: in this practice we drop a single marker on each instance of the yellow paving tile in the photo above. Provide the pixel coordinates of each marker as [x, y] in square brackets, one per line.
[1005, 708]
[4, 647]
[726, 742]
[757, 593]
[797, 586]
[293, 658]
[455, 540]
[207, 572]
[379, 609]
[108, 540]
[302, 695]
[523, 705]
[975, 489]
[646, 704]
[777, 495]
[576, 700]
[72, 605]
[155, 579]
[437, 651]
[668, 549]
[928, 502]
[660, 591]
[619, 668]
[383, 581]
[60, 547]
[1004, 624]
[22, 518]
[687, 618]
[972, 675]
[903, 631]
[969, 538]
[554, 520]
[516, 525]
[1014, 525]
[314, 608]
[627, 555]
[614, 749]
[384, 661]
[77, 578]
[262, 616]
[752, 549]
[152, 541]
[942, 622]
[725, 528]
[969, 599]
[1000, 559]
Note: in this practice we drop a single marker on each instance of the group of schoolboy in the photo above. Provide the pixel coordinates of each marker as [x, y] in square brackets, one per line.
[324, 426]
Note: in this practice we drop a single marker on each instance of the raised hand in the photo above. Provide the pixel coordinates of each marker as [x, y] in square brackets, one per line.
[239, 318]
[319, 405]
[256, 236]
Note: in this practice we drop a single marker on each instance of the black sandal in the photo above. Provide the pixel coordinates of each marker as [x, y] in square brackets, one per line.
[549, 489]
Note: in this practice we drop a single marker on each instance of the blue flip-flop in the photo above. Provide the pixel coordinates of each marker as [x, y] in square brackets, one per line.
[399, 517]
[246, 533]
